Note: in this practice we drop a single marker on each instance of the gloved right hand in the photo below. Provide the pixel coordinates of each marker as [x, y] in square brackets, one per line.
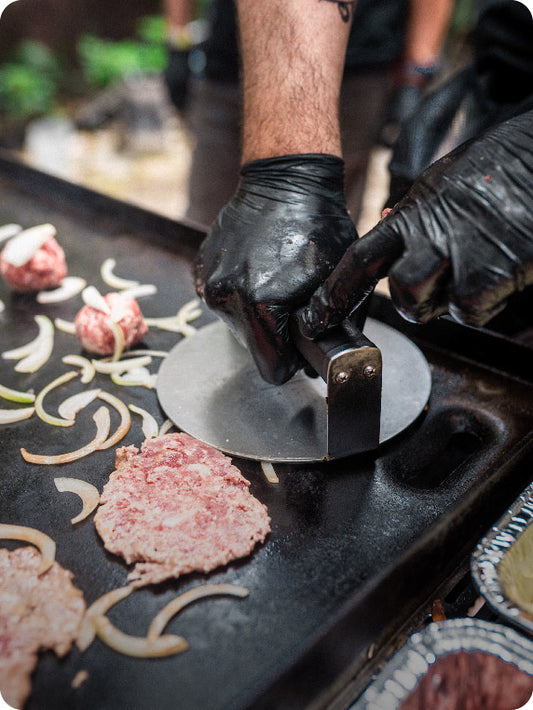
[461, 241]
[271, 246]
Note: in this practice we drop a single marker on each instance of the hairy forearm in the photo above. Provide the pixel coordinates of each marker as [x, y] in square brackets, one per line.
[293, 56]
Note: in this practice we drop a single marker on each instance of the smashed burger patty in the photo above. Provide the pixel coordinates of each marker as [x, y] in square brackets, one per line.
[178, 506]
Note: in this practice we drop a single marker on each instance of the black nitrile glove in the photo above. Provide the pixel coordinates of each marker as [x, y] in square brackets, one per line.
[461, 241]
[278, 238]
[493, 88]
[176, 76]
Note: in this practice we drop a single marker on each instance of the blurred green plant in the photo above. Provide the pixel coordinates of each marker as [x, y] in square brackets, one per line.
[105, 61]
[29, 81]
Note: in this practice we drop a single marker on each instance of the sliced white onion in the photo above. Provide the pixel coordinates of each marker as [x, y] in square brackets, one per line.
[42, 352]
[176, 605]
[111, 279]
[46, 545]
[70, 406]
[180, 322]
[102, 420]
[39, 406]
[106, 367]
[15, 395]
[136, 377]
[99, 608]
[149, 425]
[119, 308]
[137, 646]
[152, 353]
[65, 326]
[88, 493]
[92, 297]
[87, 368]
[22, 247]
[10, 416]
[125, 419]
[70, 286]
[118, 335]
[35, 353]
[9, 230]
[268, 470]
[27, 349]
[140, 291]
[166, 426]
[2, 306]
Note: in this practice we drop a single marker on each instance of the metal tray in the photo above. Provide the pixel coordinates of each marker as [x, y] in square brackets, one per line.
[410, 664]
[357, 546]
[502, 540]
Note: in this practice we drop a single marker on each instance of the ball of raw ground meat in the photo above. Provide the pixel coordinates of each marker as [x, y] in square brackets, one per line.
[95, 332]
[46, 269]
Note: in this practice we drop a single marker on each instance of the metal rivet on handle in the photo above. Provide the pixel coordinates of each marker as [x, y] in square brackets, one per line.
[342, 377]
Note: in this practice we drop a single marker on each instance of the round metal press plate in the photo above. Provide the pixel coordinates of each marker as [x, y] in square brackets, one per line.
[209, 387]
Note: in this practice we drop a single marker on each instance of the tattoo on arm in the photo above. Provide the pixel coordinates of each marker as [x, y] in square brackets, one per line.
[345, 8]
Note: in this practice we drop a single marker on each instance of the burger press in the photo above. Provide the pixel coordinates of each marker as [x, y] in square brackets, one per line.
[373, 384]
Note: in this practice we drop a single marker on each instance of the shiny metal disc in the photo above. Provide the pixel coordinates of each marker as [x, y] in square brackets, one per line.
[209, 387]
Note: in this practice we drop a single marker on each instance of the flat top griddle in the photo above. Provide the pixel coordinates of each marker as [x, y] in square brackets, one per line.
[357, 545]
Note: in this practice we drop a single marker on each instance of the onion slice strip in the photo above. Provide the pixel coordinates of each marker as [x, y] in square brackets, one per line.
[70, 406]
[125, 419]
[87, 368]
[136, 377]
[44, 543]
[269, 472]
[102, 420]
[2, 306]
[70, 286]
[166, 426]
[16, 395]
[99, 608]
[35, 353]
[39, 407]
[10, 416]
[9, 230]
[111, 279]
[180, 322]
[22, 247]
[137, 646]
[149, 425]
[65, 326]
[88, 493]
[140, 291]
[162, 618]
[106, 367]
[118, 335]
[92, 297]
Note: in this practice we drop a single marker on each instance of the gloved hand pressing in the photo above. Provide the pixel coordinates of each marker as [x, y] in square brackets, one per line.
[461, 241]
[278, 238]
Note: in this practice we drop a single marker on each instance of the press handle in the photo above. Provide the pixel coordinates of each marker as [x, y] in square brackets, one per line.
[351, 366]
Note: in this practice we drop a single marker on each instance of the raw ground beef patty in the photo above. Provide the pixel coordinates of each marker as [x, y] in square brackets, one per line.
[178, 506]
[37, 612]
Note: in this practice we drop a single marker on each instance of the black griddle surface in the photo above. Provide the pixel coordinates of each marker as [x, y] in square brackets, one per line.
[356, 545]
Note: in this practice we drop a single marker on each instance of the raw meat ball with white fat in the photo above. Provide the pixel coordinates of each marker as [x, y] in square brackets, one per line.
[94, 327]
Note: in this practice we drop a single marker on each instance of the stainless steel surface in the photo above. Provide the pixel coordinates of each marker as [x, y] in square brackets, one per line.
[210, 388]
